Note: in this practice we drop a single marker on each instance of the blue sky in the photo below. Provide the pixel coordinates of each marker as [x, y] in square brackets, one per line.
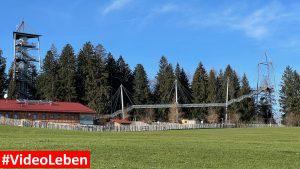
[214, 32]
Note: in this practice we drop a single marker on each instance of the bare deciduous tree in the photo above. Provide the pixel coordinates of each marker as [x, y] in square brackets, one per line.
[212, 116]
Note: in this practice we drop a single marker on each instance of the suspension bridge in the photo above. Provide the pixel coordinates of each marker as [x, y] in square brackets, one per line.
[264, 84]
[124, 110]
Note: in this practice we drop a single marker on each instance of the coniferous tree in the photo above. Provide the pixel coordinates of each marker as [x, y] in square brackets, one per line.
[220, 95]
[234, 85]
[199, 91]
[47, 81]
[287, 94]
[141, 94]
[212, 91]
[212, 87]
[184, 89]
[31, 76]
[141, 90]
[2, 75]
[32, 87]
[184, 85]
[84, 55]
[124, 74]
[233, 92]
[247, 106]
[11, 91]
[165, 82]
[119, 73]
[111, 69]
[67, 74]
[113, 81]
[96, 83]
[289, 97]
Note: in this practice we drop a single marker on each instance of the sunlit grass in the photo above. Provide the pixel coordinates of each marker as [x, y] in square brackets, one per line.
[203, 148]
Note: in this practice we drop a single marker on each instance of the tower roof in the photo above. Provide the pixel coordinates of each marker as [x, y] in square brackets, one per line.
[27, 35]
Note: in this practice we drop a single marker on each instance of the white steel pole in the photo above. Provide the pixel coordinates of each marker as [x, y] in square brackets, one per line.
[39, 54]
[226, 108]
[176, 98]
[122, 102]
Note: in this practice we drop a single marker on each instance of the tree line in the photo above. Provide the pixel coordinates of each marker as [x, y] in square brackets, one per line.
[93, 76]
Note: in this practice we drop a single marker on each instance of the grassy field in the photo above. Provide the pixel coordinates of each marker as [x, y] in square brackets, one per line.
[206, 148]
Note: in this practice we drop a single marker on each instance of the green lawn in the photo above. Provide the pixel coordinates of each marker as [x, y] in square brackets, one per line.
[206, 148]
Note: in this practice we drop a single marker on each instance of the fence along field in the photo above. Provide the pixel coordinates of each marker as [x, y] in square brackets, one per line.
[124, 128]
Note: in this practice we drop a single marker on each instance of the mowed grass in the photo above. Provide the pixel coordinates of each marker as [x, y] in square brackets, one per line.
[203, 148]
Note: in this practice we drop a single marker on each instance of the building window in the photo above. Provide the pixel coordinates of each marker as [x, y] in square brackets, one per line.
[44, 116]
[57, 116]
[16, 116]
[0, 114]
[72, 117]
[51, 116]
[35, 116]
[7, 115]
[86, 119]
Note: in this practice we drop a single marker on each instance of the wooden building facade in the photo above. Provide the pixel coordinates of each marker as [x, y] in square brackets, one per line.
[58, 112]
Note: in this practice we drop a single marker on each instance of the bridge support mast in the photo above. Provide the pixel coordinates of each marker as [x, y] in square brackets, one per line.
[176, 99]
[226, 104]
[122, 102]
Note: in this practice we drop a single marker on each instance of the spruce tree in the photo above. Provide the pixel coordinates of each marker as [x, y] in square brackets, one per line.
[287, 94]
[141, 94]
[67, 74]
[2, 75]
[247, 106]
[11, 91]
[96, 83]
[212, 87]
[112, 70]
[164, 83]
[289, 98]
[84, 55]
[184, 89]
[183, 85]
[220, 98]
[233, 91]
[32, 87]
[141, 90]
[124, 74]
[199, 91]
[234, 85]
[47, 82]
[212, 91]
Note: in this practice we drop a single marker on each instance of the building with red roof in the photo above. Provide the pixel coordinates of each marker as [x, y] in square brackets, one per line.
[60, 112]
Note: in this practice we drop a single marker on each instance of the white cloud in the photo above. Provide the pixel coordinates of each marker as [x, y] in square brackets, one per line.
[115, 5]
[258, 24]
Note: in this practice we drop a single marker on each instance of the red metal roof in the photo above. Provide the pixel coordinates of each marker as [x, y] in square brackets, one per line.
[58, 107]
